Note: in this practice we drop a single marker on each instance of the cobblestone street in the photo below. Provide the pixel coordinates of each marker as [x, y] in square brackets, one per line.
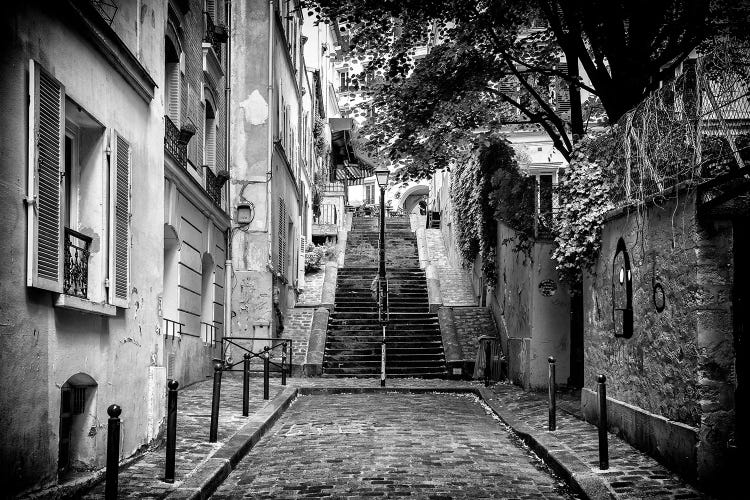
[390, 445]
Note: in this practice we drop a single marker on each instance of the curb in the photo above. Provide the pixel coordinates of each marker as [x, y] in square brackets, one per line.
[210, 474]
[563, 460]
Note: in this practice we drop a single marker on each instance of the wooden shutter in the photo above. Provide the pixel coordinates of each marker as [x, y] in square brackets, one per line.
[282, 237]
[210, 148]
[173, 92]
[119, 261]
[45, 195]
[562, 97]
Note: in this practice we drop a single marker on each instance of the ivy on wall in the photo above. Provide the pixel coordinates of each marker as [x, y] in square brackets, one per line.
[487, 187]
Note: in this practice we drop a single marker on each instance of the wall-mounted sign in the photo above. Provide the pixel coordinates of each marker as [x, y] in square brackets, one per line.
[622, 292]
[548, 287]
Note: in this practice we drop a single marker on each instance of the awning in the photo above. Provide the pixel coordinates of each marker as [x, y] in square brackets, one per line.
[348, 165]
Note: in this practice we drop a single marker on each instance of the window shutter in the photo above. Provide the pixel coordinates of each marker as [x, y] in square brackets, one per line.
[173, 92]
[119, 261]
[282, 237]
[562, 98]
[45, 196]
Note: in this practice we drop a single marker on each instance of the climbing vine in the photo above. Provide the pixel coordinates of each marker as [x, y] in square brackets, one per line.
[487, 187]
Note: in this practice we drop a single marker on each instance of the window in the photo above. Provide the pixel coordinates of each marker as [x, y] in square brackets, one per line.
[172, 82]
[67, 172]
[369, 193]
[209, 137]
[343, 80]
[282, 238]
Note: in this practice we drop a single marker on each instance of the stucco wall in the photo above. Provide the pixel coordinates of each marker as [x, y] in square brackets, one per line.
[534, 323]
[43, 346]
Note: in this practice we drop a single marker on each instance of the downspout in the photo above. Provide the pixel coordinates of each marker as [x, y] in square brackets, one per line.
[228, 270]
[269, 170]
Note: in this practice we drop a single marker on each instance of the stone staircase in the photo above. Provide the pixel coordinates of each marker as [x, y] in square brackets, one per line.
[353, 340]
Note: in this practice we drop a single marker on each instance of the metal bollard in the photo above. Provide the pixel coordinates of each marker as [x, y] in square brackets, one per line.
[488, 362]
[113, 451]
[171, 430]
[214, 430]
[283, 364]
[552, 396]
[246, 385]
[266, 371]
[603, 450]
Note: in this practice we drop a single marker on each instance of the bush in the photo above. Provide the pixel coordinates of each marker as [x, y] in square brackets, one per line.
[317, 255]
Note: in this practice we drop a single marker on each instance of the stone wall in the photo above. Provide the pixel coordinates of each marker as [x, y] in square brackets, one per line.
[471, 324]
[678, 363]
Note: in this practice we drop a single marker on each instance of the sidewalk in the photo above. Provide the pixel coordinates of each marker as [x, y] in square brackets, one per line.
[197, 461]
[571, 450]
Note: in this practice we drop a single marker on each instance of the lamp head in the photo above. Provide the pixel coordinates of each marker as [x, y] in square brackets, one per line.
[381, 175]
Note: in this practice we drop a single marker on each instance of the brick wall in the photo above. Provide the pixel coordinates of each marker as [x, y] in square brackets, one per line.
[297, 326]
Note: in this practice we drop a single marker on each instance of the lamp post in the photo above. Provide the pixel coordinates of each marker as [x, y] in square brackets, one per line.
[381, 175]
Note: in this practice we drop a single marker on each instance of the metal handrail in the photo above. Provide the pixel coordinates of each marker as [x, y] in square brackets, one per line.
[210, 337]
[175, 326]
[227, 341]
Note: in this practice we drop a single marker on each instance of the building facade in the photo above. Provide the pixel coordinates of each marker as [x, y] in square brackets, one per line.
[82, 162]
[196, 220]
[265, 193]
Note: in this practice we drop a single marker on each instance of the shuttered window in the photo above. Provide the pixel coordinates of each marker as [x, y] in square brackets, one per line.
[45, 195]
[172, 93]
[119, 221]
[282, 237]
[562, 97]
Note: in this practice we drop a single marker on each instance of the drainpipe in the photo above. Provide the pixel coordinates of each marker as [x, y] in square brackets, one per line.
[227, 128]
[269, 171]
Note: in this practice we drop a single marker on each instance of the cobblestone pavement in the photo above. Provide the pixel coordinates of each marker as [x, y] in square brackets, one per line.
[389, 445]
[632, 474]
[144, 477]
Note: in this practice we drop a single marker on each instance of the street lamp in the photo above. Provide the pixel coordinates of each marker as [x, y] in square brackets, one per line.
[381, 175]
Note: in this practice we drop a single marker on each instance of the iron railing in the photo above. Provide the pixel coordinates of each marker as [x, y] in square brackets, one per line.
[172, 328]
[208, 332]
[211, 36]
[213, 186]
[328, 214]
[172, 143]
[76, 277]
[282, 345]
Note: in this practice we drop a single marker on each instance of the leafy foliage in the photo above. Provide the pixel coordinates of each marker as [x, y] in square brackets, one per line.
[484, 189]
[317, 255]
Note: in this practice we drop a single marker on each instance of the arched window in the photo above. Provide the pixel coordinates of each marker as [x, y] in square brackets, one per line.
[622, 292]
[172, 92]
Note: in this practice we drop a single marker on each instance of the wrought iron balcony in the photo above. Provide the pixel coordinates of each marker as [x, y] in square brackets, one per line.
[213, 185]
[76, 272]
[172, 143]
[213, 35]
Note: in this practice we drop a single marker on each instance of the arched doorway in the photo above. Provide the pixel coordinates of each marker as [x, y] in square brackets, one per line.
[77, 446]
[412, 197]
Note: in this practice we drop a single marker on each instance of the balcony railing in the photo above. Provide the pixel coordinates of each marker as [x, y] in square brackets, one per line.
[328, 215]
[213, 185]
[172, 143]
[211, 36]
[76, 278]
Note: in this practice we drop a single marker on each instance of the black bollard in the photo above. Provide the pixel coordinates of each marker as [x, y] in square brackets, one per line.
[552, 396]
[171, 430]
[283, 364]
[603, 450]
[246, 385]
[266, 371]
[214, 431]
[488, 362]
[113, 451]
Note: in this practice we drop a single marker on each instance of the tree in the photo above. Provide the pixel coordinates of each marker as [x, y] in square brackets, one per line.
[626, 48]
